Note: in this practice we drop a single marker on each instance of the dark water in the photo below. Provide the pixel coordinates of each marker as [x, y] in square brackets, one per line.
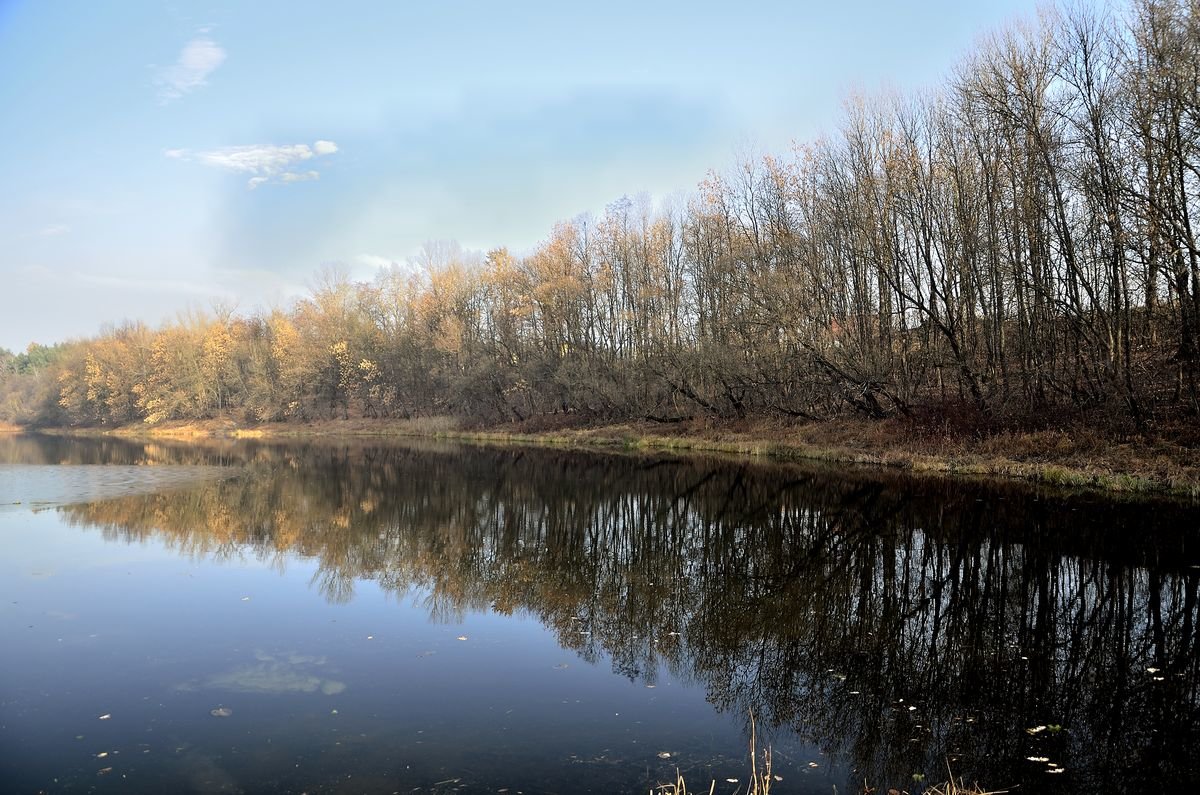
[421, 618]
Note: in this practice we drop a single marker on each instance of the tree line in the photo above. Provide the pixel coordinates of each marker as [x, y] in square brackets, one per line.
[1017, 243]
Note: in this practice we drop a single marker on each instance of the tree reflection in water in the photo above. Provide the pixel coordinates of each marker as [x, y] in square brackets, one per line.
[897, 623]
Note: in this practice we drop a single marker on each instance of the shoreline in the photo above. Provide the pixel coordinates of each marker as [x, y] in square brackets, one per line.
[1073, 459]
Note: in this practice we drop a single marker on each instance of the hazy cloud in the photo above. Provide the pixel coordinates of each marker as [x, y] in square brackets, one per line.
[53, 230]
[198, 59]
[375, 261]
[264, 162]
[132, 283]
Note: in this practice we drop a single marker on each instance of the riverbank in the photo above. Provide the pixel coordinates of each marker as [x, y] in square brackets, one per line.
[1077, 457]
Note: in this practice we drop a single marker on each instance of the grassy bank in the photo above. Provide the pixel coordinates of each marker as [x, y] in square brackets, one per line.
[1061, 458]
[1078, 457]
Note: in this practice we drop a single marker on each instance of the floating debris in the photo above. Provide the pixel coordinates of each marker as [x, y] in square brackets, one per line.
[1035, 730]
[104, 771]
[370, 637]
[102, 754]
[221, 712]
[1152, 670]
[813, 764]
[664, 755]
[461, 637]
[732, 780]
[1038, 758]
[106, 716]
[245, 598]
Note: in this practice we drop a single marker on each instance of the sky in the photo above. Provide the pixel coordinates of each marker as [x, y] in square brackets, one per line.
[162, 157]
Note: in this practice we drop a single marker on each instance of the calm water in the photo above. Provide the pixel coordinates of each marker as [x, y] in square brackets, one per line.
[421, 618]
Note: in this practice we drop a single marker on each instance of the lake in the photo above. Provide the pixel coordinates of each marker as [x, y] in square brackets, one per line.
[375, 616]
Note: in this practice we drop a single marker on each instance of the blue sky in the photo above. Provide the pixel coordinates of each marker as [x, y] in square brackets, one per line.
[158, 156]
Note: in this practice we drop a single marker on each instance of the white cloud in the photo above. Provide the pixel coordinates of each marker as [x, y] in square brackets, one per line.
[264, 162]
[53, 230]
[304, 176]
[198, 59]
[256, 159]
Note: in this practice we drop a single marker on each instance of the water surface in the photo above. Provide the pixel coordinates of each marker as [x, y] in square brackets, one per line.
[417, 617]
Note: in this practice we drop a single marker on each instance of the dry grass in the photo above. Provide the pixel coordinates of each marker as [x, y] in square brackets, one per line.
[760, 780]
[679, 787]
[957, 787]
[1057, 457]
